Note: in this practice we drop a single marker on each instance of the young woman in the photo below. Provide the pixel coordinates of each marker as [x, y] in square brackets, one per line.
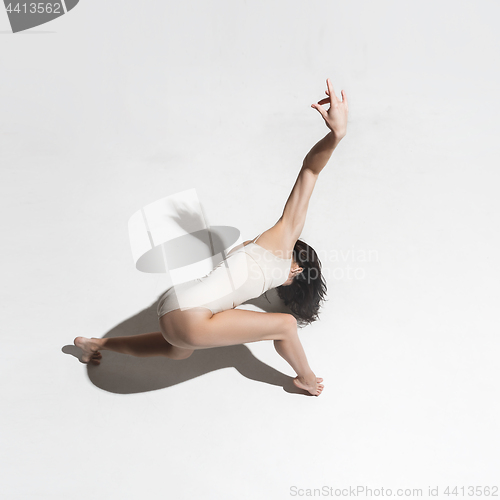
[280, 260]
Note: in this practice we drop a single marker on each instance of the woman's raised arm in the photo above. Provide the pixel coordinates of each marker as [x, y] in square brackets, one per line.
[295, 211]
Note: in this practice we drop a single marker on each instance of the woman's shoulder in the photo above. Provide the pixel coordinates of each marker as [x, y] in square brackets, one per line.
[277, 240]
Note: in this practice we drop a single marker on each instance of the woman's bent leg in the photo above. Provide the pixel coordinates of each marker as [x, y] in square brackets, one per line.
[238, 327]
[198, 329]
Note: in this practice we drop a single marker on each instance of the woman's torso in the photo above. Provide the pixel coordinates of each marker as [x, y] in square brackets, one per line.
[246, 273]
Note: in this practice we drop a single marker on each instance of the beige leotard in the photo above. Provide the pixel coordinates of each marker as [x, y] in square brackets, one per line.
[245, 274]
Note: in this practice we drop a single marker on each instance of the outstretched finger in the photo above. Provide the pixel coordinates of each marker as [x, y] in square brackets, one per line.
[333, 96]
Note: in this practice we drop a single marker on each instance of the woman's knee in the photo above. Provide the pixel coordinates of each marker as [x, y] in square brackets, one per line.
[289, 324]
[291, 321]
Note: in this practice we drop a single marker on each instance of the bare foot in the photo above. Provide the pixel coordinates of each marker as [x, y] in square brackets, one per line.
[90, 350]
[312, 385]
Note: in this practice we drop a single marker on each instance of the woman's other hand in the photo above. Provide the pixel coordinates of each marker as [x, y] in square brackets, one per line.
[336, 116]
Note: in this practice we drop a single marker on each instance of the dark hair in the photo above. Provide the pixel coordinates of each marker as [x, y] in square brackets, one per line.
[308, 290]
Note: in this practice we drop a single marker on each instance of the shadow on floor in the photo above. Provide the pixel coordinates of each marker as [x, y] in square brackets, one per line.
[125, 374]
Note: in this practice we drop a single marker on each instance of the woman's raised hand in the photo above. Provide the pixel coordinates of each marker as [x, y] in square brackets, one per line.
[336, 116]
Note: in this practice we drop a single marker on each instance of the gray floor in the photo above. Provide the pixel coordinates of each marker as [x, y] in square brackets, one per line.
[123, 103]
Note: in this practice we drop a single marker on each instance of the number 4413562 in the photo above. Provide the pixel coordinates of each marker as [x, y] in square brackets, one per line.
[35, 8]
[472, 491]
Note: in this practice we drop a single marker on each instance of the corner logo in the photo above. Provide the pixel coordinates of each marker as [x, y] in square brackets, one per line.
[26, 15]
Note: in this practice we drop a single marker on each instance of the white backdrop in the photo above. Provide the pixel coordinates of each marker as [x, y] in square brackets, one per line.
[118, 104]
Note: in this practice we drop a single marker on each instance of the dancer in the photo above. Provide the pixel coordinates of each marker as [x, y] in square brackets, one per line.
[281, 260]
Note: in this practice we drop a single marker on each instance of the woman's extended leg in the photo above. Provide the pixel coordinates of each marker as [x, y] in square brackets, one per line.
[143, 345]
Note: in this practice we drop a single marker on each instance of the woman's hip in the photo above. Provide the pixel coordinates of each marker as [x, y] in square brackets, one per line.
[182, 327]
